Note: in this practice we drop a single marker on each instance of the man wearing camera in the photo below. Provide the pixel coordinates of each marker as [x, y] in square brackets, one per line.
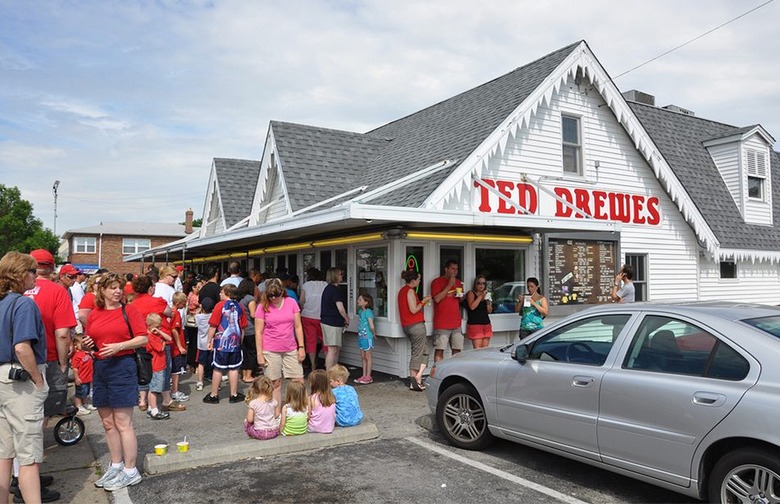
[623, 288]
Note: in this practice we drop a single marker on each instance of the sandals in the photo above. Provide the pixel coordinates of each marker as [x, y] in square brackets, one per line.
[415, 385]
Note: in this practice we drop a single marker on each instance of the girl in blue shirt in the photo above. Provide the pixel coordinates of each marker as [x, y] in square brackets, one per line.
[365, 335]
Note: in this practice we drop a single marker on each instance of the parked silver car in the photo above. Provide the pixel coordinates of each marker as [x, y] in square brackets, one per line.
[684, 396]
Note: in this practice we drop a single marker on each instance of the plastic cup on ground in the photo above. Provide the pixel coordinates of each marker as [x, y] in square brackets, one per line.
[183, 446]
[160, 449]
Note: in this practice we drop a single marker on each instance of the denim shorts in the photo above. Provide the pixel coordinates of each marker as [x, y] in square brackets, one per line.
[82, 391]
[158, 382]
[115, 383]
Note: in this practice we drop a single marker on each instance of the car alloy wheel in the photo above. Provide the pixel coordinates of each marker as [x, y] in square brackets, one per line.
[746, 476]
[461, 417]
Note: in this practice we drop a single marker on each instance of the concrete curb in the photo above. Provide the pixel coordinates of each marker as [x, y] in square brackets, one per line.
[250, 448]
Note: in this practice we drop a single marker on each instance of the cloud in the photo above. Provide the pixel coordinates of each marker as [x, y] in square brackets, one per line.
[128, 102]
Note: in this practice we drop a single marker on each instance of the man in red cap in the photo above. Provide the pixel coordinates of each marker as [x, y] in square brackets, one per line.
[58, 319]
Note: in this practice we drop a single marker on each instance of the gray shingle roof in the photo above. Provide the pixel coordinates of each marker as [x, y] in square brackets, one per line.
[319, 163]
[679, 138]
[731, 132]
[237, 180]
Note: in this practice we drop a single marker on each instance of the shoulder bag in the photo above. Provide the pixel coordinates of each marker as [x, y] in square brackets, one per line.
[143, 359]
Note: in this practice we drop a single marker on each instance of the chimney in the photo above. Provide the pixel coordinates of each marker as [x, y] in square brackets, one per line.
[188, 221]
[639, 97]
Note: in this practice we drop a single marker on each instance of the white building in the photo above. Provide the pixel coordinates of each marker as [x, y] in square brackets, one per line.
[547, 171]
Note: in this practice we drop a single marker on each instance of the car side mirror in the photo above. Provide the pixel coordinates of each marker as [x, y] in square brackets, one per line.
[520, 354]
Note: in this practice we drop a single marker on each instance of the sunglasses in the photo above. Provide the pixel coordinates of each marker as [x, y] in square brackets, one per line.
[33, 271]
[275, 295]
[72, 277]
[481, 283]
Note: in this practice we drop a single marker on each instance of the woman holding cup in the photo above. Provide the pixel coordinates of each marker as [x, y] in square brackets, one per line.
[410, 308]
[478, 307]
[532, 308]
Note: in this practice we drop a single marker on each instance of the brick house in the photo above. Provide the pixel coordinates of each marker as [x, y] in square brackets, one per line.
[105, 245]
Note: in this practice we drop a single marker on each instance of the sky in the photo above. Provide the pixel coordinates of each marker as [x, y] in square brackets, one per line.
[126, 103]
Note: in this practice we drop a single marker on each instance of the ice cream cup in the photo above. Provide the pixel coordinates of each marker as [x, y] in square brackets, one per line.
[160, 449]
[458, 291]
[183, 446]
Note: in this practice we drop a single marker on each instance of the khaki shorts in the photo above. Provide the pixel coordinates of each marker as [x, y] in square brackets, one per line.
[444, 337]
[280, 364]
[21, 418]
[331, 336]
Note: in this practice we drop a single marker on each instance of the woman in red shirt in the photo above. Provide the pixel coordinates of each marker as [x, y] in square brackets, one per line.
[413, 322]
[115, 331]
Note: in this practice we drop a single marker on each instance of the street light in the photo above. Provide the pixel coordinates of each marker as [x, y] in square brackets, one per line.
[56, 185]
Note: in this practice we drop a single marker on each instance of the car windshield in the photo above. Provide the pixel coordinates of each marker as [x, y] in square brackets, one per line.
[769, 325]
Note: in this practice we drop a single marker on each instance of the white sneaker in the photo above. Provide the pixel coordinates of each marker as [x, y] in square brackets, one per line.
[90, 407]
[123, 480]
[180, 396]
[83, 411]
[199, 386]
[109, 475]
[224, 378]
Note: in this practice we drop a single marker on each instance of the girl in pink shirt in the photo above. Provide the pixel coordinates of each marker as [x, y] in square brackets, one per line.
[322, 403]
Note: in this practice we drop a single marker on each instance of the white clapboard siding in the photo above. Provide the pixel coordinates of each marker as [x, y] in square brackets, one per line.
[726, 158]
[275, 193]
[756, 283]
[670, 246]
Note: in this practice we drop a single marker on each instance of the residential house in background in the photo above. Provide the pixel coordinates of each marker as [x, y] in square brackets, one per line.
[106, 245]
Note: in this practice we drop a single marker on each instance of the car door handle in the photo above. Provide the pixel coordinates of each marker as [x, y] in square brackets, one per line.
[708, 399]
[582, 381]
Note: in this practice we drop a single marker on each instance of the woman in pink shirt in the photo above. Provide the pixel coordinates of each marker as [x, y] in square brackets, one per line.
[279, 336]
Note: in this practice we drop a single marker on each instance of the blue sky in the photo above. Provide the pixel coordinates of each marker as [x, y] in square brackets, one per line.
[127, 102]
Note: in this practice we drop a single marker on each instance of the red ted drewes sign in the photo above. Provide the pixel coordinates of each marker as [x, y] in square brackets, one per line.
[602, 205]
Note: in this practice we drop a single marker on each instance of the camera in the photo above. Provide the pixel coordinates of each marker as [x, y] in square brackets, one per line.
[18, 374]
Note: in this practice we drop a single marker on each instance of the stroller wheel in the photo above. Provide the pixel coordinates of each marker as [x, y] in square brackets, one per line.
[69, 430]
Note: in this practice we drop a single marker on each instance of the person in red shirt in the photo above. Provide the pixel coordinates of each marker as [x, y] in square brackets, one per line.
[156, 347]
[115, 331]
[410, 308]
[178, 347]
[447, 292]
[82, 365]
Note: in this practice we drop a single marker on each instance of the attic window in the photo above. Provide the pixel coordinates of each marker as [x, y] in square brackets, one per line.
[572, 145]
[756, 174]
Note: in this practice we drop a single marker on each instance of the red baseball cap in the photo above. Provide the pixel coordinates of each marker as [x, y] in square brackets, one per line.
[69, 269]
[43, 257]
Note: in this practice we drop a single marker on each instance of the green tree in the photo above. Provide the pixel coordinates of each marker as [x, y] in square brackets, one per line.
[19, 228]
[196, 223]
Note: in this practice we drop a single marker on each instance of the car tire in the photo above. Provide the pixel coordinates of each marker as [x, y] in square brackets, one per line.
[736, 475]
[462, 419]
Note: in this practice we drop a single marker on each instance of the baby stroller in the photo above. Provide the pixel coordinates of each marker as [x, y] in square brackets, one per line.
[69, 429]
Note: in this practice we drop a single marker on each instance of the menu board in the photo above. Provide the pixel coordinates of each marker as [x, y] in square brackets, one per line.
[580, 271]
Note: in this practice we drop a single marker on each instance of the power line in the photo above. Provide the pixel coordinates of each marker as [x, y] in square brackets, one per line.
[693, 39]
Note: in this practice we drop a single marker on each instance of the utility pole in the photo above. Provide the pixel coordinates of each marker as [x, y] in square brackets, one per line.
[56, 185]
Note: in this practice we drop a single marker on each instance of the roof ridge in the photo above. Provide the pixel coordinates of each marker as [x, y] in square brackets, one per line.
[661, 109]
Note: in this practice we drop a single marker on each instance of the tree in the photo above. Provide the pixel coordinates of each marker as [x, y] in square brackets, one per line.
[19, 228]
[196, 223]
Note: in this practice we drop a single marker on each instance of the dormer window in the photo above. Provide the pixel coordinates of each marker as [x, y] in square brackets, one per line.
[756, 174]
[572, 145]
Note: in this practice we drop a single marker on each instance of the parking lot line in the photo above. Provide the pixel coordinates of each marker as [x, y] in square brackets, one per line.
[497, 472]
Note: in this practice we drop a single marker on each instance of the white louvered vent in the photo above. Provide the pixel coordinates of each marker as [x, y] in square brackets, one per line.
[756, 163]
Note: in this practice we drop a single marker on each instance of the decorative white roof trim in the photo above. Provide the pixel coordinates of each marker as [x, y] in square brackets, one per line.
[771, 256]
[213, 192]
[756, 130]
[495, 143]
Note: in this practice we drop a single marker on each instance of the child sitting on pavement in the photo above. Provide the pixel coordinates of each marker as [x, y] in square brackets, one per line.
[81, 362]
[348, 411]
[322, 404]
[156, 347]
[178, 348]
[262, 420]
[295, 412]
[204, 356]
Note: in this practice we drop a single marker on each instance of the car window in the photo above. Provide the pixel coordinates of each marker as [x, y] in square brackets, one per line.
[770, 325]
[586, 341]
[668, 345]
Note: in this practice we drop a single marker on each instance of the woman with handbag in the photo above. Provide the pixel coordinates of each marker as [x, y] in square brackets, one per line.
[115, 380]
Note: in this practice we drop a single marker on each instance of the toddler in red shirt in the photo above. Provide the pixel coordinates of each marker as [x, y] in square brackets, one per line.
[156, 347]
[81, 362]
[178, 348]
